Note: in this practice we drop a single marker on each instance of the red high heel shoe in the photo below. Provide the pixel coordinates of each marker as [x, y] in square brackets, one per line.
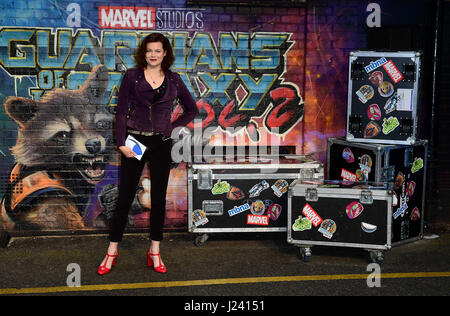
[161, 268]
[102, 269]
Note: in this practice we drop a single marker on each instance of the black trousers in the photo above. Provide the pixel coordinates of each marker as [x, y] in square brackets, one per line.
[158, 155]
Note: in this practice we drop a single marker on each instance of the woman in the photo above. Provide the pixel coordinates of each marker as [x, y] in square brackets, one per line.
[146, 95]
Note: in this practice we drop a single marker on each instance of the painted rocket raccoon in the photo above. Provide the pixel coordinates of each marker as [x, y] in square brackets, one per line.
[64, 142]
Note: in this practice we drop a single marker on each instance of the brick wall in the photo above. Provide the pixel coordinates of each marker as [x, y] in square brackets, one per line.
[274, 69]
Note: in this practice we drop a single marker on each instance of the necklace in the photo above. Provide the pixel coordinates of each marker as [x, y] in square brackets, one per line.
[151, 78]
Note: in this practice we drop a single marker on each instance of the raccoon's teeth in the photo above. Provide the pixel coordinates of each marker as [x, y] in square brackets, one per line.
[91, 161]
[93, 168]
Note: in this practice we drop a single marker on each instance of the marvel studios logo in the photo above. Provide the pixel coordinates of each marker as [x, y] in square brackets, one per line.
[149, 18]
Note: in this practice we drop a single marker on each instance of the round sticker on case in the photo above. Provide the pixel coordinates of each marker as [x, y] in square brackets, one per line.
[368, 228]
[360, 175]
[365, 93]
[374, 112]
[274, 211]
[410, 188]
[327, 228]
[365, 160]
[386, 89]
[354, 209]
[415, 214]
[376, 78]
[235, 194]
[257, 208]
[399, 179]
[372, 129]
[347, 154]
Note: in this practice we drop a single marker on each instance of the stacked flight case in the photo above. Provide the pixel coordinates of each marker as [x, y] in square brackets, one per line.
[380, 148]
[401, 167]
[243, 197]
[383, 94]
[338, 213]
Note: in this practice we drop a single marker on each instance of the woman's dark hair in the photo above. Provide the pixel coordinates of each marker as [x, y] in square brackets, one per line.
[168, 60]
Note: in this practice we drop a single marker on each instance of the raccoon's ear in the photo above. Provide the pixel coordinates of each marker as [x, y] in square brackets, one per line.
[20, 109]
[96, 84]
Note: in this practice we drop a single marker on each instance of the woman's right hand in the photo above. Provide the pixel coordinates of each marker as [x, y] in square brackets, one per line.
[127, 152]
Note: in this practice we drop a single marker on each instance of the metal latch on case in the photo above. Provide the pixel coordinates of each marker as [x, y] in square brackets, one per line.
[204, 179]
[366, 197]
[311, 195]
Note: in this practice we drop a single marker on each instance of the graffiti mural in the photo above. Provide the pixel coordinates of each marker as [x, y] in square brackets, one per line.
[63, 145]
[61, 70]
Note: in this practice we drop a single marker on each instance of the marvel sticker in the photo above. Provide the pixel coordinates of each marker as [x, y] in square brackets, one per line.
[349, 176]
[257, 220]
[327, 228]
[392, 71]
[311, 214]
